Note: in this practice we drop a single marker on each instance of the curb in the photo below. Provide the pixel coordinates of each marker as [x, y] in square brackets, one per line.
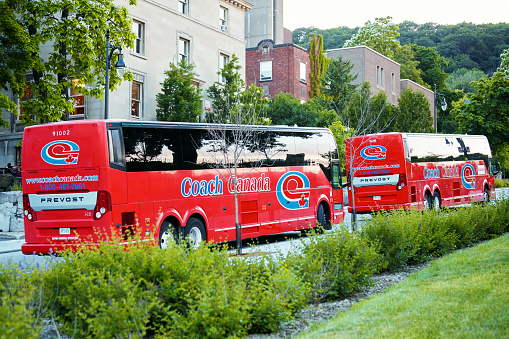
[12, 235]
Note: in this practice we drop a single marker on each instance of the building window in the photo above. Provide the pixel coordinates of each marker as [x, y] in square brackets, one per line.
[265, 70]
[303, 91]
[303, 72]
[27, 95]
[79, 102]
[380, 76]
[184, 50]
[136, 96]
[139, 31]
[393, 80]
[183, 6]
[224, 59]
[223, 18]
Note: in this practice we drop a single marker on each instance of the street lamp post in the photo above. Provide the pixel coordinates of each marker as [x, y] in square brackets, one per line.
[443, 105]
[120, 66]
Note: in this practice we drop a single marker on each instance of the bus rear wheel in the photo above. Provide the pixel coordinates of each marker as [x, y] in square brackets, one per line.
[437, 203]
[167, 235]
[194, 233]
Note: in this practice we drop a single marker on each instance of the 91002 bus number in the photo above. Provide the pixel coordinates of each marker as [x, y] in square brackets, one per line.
[63, 187]
[61, 133]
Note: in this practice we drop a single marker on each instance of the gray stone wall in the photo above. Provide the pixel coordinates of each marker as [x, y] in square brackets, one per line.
[11, 211]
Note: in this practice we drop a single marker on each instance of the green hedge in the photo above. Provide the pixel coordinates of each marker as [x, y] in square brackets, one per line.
[141, 291]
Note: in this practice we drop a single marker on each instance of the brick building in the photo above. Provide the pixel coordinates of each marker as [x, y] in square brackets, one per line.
[279, 68]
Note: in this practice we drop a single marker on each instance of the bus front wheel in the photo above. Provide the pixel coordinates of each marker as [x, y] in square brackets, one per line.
[167, 235]
[321, 218]
[428, 201]
[486, 195]
[194, 232]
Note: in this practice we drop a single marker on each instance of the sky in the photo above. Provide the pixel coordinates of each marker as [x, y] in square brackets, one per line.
[326, 14]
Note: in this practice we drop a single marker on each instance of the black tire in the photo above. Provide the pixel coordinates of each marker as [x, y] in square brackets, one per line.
[437, 202]
[194, 233]
[486, 195]
[321, 218]
[168, 235]
[428, 202]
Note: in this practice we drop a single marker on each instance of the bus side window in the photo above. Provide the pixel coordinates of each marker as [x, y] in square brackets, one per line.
[336, 179]
[115, 148]
[407, 150]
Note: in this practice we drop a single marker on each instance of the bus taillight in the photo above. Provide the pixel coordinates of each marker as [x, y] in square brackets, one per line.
[401, 182]
[103, 204]
[27, 209]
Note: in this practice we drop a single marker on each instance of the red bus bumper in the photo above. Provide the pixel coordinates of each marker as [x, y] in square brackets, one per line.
[374, 208]
[53, 248]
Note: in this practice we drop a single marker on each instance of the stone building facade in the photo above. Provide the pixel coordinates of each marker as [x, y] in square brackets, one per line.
[205, 32]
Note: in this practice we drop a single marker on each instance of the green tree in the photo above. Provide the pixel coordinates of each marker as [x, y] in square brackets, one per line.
[380, 35]
[16, 52]
[229, 96]
[414, 115]
[285, 109]
[461, 79]
[367, 114]
[409, 66]
[74, 32]
[338, 87]
[486, 111]
[180, 99]
[432, 66]
[319, 63]
[504, 65]
[224, 95]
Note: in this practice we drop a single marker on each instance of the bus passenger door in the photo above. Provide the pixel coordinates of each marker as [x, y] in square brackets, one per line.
[269, 214]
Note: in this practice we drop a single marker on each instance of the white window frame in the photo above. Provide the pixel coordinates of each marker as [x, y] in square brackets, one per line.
[184, 49]
[183, 7]
[303, 72]
[139, 30]
[138, 100]
[223, 18]
[224, 59]
[266, 70]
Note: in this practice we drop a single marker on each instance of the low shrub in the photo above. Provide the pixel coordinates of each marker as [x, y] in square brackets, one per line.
[20, 313]
[112, 291]
[410, 237]
[336, 264]
[501, 183]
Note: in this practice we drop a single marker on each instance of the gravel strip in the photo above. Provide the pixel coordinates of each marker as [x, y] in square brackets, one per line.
[310, 315]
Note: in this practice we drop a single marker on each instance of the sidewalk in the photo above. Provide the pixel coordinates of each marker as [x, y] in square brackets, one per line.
[11, 236]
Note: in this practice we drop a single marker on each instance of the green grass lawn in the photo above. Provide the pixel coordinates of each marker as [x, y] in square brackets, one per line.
[462, 295]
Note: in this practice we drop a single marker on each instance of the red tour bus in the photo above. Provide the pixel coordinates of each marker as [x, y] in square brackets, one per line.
[84, 180]
[418, 171]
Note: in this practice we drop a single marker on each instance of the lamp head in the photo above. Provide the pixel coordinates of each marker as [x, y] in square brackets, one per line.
[443, 105]
[120, 65]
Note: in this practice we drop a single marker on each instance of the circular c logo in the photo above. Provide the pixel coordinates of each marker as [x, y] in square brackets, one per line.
[293, 191]
[60, 152]
[373, 152]
[468, 176]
